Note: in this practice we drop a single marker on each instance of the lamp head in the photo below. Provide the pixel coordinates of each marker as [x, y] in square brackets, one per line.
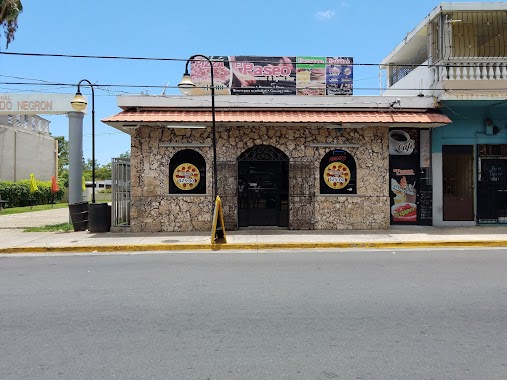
[79, 103]
[186, 85]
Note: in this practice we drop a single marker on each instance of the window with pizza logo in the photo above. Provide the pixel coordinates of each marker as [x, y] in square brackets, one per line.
[187, 173]
[338, 173]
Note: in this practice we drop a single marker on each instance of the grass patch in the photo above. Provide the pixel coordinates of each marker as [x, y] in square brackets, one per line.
[51, 228]
[20, 210]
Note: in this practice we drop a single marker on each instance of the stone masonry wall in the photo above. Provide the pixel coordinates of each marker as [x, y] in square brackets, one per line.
[154, 209]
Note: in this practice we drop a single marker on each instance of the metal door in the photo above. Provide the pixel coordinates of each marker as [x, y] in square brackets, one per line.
[492, 190]
[120, 171]
[263, 178]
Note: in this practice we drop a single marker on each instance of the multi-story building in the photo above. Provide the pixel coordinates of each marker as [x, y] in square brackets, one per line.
[457, 55]
[26, 146]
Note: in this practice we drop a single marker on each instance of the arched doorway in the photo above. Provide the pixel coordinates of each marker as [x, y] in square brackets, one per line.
[263, 187]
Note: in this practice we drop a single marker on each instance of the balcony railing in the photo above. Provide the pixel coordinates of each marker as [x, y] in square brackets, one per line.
[478, 70]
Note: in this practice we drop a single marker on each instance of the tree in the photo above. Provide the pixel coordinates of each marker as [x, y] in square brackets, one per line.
[63, 159]
[63, 153]
[102, 172]
[9, 12]
[125, 155]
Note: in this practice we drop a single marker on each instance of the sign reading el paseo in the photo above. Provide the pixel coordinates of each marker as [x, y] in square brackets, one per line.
[186, 176]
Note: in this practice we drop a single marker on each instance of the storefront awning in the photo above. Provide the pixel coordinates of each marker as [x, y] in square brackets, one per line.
[194, 117]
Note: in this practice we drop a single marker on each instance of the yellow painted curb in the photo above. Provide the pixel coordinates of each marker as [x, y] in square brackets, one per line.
[252, 246]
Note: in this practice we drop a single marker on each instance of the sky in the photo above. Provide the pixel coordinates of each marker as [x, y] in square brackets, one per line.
[367, 30]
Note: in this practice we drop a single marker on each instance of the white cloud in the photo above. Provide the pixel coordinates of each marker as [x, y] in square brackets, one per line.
[325, 15]
[345, 4]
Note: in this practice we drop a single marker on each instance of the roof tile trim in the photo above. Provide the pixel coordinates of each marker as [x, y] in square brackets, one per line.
[176, 116]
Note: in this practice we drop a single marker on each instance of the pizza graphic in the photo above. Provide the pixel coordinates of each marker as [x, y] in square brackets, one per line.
[186, 176]
[337, 175]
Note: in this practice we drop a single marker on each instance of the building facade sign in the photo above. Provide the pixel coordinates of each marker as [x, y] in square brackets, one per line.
[31, 104]
[254, 75]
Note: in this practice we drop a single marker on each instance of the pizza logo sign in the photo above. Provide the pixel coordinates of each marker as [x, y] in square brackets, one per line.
[186, 176]
[337, 175]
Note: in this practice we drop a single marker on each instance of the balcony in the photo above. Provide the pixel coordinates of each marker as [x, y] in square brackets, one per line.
[471, 69]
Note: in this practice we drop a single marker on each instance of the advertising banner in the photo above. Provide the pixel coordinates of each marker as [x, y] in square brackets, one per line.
[263, 75]
[186, 176]
[338, 173]
[339, 76]
[405, 184]
[254, 75]
[311, 75]
[403, 187]
[201, 75]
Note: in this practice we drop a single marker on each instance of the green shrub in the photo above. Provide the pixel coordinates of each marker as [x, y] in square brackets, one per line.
[18, 193]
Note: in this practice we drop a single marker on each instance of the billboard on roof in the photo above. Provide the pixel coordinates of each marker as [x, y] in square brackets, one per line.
[281, 75]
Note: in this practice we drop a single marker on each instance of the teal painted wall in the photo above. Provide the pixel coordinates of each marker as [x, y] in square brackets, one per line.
[467, 127]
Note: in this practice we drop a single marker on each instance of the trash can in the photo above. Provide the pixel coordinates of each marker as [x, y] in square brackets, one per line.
[79, 215]
[98, 218]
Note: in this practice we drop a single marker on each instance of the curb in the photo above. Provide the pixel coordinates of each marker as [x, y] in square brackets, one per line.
[254, 246]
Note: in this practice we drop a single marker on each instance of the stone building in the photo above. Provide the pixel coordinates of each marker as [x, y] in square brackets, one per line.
[296, 162]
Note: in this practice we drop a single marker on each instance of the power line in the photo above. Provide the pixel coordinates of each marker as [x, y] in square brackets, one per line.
[154, 58]
[98, 85]
[213, 59]
[92, 56]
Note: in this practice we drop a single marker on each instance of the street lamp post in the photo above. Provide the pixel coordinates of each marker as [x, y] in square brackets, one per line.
[79, 104]
[187, 87]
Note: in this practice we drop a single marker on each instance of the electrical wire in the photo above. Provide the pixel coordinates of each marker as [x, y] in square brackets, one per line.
[64, 85]
[212, 58]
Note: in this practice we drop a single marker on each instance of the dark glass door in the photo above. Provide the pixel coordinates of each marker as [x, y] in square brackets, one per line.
[492, 190]
[263, 193]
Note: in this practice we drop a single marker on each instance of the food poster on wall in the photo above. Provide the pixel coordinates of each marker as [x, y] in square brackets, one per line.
[403, 186]
[404, 174]
[311, 75]
[186, 176]
[338, 173]
[339, 76]
[253, 75]
[201, 75]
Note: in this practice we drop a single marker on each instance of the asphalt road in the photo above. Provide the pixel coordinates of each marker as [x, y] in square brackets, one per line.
[315, 315]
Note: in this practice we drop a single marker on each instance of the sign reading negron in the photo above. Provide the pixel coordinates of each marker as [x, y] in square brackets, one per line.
[252, 75]
[35, 103]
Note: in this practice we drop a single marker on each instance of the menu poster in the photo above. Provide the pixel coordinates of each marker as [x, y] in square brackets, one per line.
[339, 75]
[311, 75]
[186, 176]
[338, 173]
[253, 75]
[201, 75]
[403, 191]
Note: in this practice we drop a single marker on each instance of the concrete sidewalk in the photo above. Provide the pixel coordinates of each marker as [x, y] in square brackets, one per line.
[14, 240]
